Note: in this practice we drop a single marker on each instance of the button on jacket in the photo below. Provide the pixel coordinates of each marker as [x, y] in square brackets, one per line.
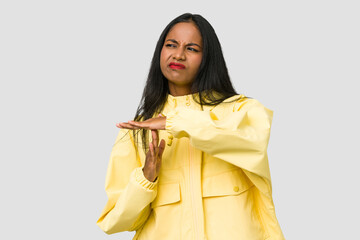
[214, 182]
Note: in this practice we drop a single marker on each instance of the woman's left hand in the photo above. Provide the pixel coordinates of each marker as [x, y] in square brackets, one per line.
[151, 123]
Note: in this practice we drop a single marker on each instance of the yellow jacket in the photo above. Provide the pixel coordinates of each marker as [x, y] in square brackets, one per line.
[214, 182]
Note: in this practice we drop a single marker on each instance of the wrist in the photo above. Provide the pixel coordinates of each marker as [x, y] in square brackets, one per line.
[149, 177]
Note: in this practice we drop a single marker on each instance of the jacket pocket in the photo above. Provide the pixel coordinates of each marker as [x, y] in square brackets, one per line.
[229, 207]
[233, 182]
[165, 217]
[167, 194]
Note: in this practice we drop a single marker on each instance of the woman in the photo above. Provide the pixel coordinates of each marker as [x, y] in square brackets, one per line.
[211, 181]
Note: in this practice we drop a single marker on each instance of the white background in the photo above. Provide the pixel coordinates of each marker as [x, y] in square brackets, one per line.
[70, 70]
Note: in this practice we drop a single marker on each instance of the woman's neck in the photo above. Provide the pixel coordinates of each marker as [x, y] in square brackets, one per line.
[179, 90]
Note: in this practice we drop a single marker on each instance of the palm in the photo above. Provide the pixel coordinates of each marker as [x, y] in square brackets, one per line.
[154, 157]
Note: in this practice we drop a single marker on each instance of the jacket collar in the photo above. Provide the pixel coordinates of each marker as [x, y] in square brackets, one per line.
[184, 100]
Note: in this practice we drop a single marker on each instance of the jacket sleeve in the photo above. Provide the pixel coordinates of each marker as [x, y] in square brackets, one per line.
[241, 138]
[129, 192]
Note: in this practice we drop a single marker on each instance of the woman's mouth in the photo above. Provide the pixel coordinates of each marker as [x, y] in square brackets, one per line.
[174, 65]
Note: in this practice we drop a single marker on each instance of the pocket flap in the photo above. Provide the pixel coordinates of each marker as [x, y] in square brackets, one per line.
[166, 194]
[229, 183]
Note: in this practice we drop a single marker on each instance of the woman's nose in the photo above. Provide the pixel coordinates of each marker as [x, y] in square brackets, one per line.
[179, 54]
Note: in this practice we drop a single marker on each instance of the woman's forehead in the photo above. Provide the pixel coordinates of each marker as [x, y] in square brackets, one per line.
[185, 32]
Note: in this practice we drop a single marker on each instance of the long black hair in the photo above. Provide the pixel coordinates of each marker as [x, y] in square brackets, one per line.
[212, 76]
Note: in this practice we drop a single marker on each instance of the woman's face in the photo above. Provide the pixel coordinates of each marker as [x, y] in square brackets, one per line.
[181, 56]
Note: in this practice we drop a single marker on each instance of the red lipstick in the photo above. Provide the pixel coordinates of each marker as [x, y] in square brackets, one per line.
[175, 65]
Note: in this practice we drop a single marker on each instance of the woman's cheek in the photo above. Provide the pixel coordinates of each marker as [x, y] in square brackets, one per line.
[199, 61]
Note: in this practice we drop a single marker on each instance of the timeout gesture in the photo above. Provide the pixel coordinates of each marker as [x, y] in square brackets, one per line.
[154, 155]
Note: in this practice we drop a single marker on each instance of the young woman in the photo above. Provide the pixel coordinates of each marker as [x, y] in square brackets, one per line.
[211, 180]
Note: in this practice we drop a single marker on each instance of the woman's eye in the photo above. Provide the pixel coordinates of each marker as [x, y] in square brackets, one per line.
[170, 45]
[193, 49]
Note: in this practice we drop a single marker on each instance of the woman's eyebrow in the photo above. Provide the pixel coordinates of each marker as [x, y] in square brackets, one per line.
[189, 44]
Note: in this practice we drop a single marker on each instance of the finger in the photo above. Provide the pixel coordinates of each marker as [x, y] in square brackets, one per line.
[138, 124]
[161, 147]
[155, 141]
[151, 146]
[155, 138]
[126, 125]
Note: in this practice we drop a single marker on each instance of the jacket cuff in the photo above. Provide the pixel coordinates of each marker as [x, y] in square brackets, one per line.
[169, 125]
[143, 181]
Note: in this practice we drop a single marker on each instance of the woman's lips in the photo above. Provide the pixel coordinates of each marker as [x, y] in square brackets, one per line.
[174, 65]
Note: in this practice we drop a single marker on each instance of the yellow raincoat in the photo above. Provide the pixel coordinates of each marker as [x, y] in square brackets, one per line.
[214, 182]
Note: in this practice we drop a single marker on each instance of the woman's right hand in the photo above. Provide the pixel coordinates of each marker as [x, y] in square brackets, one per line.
[153, 157]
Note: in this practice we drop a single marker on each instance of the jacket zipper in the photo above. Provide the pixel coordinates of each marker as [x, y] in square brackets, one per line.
[193, 203]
